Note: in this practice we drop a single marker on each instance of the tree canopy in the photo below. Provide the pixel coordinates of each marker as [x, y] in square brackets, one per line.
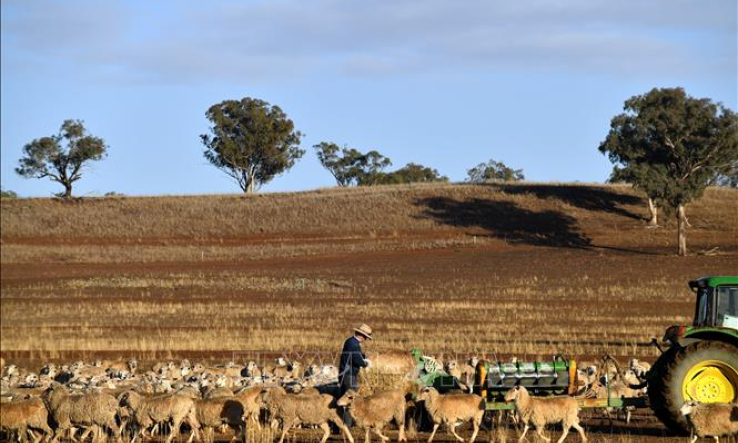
[251, 141]
[493, 171]
[411, 173]
[61, 157]
[671, 146]
[350, 166]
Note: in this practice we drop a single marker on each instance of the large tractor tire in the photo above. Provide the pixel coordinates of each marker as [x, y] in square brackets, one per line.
[706, 371]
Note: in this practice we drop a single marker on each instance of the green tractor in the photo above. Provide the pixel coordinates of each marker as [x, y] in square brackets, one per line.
[701, 362]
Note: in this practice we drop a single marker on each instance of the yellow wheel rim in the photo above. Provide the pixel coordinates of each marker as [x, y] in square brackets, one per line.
[711, 381]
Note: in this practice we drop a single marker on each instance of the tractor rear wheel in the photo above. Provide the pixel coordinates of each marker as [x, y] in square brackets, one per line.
[706, 371]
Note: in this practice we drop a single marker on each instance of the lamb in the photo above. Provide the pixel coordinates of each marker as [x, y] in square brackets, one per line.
[22, 416]
[375, 411]
[216, 412]
[95, 410]
[450, 409]
[711, 419]
[545, 411]
[293, 410]
[173, 409]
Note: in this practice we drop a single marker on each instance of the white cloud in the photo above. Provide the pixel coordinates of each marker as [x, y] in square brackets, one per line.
[263, 40]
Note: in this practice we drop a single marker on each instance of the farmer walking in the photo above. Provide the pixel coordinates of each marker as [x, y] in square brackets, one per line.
[352, 360]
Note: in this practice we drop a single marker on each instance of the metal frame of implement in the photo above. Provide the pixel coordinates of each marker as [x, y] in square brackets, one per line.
[557, 376]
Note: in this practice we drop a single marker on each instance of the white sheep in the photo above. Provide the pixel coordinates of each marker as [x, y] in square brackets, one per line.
[540, 412]
[711, 419]
[293, 410]
[452, 410]
[375, 411]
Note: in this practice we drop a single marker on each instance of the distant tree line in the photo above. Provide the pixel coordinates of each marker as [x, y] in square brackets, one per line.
[666, 144]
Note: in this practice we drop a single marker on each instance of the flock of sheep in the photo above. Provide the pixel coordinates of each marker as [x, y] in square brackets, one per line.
[117, 399]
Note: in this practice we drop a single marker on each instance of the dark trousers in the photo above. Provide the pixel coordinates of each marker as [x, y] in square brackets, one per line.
[348, 381]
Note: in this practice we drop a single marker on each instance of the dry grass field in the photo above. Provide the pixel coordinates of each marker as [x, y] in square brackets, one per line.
[530, 270]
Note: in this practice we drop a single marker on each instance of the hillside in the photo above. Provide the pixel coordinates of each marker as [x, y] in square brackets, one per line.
[243, 227]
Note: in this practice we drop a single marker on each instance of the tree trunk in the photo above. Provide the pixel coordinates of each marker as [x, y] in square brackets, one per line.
[682, 230]
[654, 211]
[67, 190]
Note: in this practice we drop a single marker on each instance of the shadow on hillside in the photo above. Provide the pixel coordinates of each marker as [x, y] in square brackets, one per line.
[586, 197]
[507, 221]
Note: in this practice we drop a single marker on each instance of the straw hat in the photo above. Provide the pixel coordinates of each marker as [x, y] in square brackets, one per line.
[364, 330]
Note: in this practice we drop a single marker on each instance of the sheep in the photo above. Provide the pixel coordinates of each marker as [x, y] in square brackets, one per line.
[457, 371]
[213, 392]
[161, 368]
[452, 368]
[216, 412]
[711, 419]
[468, 371]
[173, 409]
[289, 371]
[586, 376]
[89, 410]
[251, 370]
[292, 410]
[544, 411]
[451, 409]
[616, 389]
[250, 398]
[119, 366]
[48, 371]
[640, 368]
[396, 362]
[373, 412]
[24, 415]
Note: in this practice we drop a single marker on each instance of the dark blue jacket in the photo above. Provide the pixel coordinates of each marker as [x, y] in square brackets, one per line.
[352, 359]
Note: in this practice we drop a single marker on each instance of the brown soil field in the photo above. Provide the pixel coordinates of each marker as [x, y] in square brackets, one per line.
[525, 270]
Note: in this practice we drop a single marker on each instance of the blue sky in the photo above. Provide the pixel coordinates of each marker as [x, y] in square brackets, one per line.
[447, 84]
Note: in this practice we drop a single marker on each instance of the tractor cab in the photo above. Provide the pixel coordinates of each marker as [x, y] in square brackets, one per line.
[717, 302]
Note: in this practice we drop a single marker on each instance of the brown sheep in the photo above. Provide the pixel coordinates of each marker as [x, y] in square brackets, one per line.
[450, 409]
[374, 412]
[545, 411]
[22, 416]
[293, 410]
[89, 410]
[216, 412]
[172, 409]
[711, 419]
